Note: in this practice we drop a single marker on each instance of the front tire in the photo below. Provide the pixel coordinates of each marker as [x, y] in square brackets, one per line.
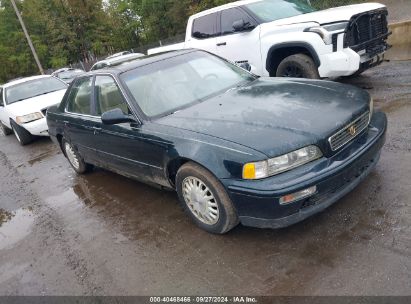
[298, 66]
[23, 136]
[6, 131]
[75, 159]
[205, 200]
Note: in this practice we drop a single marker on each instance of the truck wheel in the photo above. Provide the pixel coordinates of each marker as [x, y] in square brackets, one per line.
[23, 136]
[6, 131]
[298, 66]
[74, 158]
[205, 200]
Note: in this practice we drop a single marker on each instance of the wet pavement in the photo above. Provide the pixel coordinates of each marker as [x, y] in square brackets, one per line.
[103, 234]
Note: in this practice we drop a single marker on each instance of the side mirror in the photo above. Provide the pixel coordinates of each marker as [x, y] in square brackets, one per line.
[241, 25]
[246, 66]
[115, 116]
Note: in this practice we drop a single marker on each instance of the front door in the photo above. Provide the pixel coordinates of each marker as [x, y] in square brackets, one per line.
[239, 46]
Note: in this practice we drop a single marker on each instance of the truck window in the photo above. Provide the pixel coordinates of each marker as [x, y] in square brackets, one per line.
[229, 16]
[205, 26]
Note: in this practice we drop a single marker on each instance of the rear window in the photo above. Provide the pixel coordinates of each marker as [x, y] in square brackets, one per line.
[33, 88]
[205, 26]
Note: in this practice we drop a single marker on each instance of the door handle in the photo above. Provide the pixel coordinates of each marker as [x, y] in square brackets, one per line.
[221, 43]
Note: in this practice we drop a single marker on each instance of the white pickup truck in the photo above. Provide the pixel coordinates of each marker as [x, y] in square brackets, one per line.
[289, 38]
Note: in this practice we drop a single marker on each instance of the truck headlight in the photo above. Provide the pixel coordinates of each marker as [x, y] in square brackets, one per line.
[29, 118]
[279, 164]
[327, 31]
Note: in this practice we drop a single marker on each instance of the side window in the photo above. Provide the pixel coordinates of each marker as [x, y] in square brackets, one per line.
[1, 98]
[108, 95]
[79, 99]
[205, 26]
[229, 16]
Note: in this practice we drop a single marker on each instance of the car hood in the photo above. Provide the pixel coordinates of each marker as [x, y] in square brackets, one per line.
[342, 13]
[36, 104]
[275, 116]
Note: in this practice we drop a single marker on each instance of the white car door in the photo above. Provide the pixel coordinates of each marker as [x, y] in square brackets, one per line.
[240, 46]
[203, 33]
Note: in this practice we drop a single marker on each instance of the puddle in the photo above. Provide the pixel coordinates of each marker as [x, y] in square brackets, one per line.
[41, 157]
[14, 226]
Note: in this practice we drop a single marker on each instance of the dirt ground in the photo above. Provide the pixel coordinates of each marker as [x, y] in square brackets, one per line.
[103, 234]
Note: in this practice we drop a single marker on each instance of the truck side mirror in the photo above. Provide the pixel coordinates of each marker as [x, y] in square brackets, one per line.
[241, 25]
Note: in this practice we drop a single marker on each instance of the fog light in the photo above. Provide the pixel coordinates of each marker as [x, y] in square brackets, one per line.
[289, 198]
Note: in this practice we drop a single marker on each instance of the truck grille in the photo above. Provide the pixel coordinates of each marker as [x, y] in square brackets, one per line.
[349, 132]
[368, 31]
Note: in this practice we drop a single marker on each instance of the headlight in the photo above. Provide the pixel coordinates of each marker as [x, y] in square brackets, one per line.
[327, 31]
[29, 117]
[281, 163]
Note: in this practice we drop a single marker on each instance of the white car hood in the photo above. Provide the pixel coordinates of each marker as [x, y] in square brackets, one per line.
[342, 13]
[36, 104]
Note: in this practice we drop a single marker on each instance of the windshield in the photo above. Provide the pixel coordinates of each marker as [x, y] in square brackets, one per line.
[33, 88]
[166, 86]
[271, 10]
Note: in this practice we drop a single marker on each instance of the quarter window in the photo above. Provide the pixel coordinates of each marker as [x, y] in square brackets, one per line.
[205, 26]
[229, 16]
[108, 95]
[79, 99]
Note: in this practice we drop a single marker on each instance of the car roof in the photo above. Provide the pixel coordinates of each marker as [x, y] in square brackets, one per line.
[223, 7]
[25, 79]
[140, 61]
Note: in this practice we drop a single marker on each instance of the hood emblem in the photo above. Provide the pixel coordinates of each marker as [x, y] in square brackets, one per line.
[352, 130]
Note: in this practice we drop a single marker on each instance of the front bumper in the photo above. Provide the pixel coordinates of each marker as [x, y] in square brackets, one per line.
[38, 127]
[257, 202]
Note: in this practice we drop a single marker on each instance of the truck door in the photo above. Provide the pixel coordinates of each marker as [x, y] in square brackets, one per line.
[203, 33]
[240, 44]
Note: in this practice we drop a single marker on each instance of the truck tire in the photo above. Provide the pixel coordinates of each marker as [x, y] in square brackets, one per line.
[205, 200]
[298, 66]
[23, 136]
[6, 131]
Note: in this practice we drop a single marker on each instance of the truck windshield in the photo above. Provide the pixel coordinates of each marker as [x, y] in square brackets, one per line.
[168, 85]
[33, 88]
[271, 10]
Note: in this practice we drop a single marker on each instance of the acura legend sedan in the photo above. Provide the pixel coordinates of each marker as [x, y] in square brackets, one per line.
[237, 148]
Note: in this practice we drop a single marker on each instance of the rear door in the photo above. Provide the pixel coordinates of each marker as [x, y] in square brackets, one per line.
[203, 33]
[80, 125]
[239, 46]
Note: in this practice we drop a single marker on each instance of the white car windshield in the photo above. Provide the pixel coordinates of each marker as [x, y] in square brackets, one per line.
[33, 88]
[271, 10]
[165, 86]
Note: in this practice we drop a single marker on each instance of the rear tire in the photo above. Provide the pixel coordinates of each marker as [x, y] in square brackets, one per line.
[75, 159]
[6, 131]
[298, 66]
[23, 136]
[205, 200]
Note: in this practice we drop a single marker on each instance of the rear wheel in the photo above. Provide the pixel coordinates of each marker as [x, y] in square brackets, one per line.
[205, 200]
[74, 158]
[23, 136]
[298, 66]
[6, 131]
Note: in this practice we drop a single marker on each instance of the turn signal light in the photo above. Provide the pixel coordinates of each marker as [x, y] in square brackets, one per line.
[289, 198]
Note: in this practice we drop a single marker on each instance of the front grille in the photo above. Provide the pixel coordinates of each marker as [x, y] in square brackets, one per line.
[368, 31]
[349, 132]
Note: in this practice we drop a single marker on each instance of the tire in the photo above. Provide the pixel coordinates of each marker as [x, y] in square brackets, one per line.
[6, 131]
[75, 159]
[223, 218]
[298, 66]
[23, 136]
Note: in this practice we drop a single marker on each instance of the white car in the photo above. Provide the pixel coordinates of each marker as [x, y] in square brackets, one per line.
[291, 38]
[23, 105]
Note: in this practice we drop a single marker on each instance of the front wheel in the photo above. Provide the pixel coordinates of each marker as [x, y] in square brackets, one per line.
[23, 136]
[298, 66]
[75, 159]
[205, 200]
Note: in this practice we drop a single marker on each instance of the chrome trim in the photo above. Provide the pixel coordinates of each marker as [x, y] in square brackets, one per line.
[345, 129]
